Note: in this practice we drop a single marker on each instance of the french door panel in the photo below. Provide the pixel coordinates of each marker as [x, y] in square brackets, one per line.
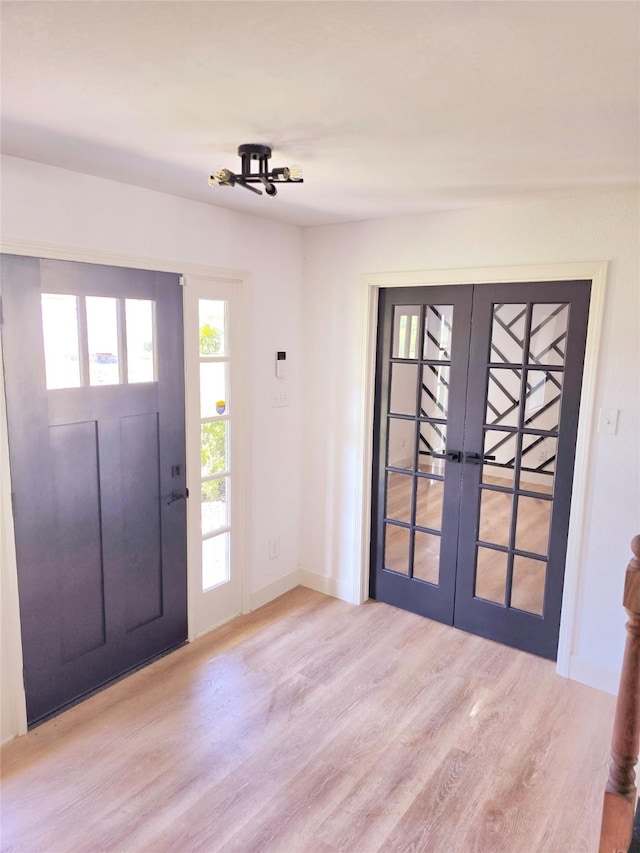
[491, 429]
[524, 381]
[420, 417]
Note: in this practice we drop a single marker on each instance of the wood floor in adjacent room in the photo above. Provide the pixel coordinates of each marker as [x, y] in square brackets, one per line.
[314, 725]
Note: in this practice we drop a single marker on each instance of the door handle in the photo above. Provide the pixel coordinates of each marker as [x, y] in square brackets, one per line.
[477, 458]
[178, 495]
[450, 456]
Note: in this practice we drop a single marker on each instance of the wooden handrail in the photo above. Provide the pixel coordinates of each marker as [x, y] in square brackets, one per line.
[620, 793]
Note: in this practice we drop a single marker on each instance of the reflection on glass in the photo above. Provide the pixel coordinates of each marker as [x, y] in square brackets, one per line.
[213, 389]
[503, 396]
[538, 463]
[532, 525]
[213, 447]
[548, 333]
[495, 517]
[433, 439]
[438, 325]
[402, 397]
[507, 333]
[401, 443]
[215, 561]
[102, 335]
[213, 504]
[527, 590]
[139, 325]
[435, 391]
[426, 557]
[396, 548]
[542, 406]
[398, 503]
[60, 334]
[501, 445]
[211, 327]
[429, 502]
[491, 575]
[406, 321]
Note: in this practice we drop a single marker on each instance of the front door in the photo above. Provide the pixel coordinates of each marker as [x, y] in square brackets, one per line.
[477, 397]
[93, 360]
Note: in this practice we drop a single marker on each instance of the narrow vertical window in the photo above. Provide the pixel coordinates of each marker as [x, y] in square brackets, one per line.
[140, 324]
[102, 334]
[215, 474]
[60, 334]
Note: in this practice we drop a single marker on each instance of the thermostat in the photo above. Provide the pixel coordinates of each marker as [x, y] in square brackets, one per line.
[281, 364]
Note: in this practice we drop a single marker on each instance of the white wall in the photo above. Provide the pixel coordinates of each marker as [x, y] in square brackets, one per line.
[47, 205]
[595, 227]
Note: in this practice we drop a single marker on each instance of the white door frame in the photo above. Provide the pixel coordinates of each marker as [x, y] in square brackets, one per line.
[16, 703]
[371, 283]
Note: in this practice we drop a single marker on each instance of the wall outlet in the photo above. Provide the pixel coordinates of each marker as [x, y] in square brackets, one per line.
[274, 547]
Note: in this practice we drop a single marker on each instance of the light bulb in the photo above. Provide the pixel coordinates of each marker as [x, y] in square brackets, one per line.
[295, 173]
[222, 176]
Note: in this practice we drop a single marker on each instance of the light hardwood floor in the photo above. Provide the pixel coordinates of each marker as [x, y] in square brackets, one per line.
[314, 725]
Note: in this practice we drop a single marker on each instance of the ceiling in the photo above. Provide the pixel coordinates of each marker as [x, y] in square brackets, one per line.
[388, 107]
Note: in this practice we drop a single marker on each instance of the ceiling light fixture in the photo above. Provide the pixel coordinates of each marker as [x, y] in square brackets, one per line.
[268, 178]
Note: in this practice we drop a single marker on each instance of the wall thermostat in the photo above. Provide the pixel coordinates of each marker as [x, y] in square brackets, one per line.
[281, 364]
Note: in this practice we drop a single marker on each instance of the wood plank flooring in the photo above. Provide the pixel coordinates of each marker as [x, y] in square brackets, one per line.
[314, 726]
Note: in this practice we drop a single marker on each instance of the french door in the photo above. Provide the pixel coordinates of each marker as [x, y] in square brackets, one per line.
[477, 398]
[93, 361]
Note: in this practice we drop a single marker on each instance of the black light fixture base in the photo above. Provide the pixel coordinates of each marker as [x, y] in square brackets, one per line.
[253, 151]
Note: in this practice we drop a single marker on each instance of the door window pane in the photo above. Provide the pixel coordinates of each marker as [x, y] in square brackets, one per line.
[532, 525]
[406, 321]
[433, 439]
[214, 497]
[401, 443]
[538, 463]
[429, 495]
[527, 591]
[548, 333]
[435, 391]
[213, 389]
[213, 447]
[503, 446]
[60, 334]
[212, 337]
[503, 397]
[491, 575]
[396, 548]
[542, 406]
[399, 496]
[215, 560]
[507, 333]
[140, 340]
[426, 557]
[102, 335]
[402, 397]
[438, 325]
[495, 517]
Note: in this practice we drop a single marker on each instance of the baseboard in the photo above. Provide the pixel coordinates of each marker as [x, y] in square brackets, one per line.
[329, 586]
[600, 677]
[272, 590]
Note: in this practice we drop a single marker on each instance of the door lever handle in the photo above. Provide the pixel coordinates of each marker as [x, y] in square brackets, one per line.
[450, 456]
[477, 458]
[178, 495]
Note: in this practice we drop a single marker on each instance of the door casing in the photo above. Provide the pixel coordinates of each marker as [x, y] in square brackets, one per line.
[369, 289]
[11, 630]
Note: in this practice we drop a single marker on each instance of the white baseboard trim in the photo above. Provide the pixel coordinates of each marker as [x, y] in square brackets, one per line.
[600, 677]
[329, 586]
[272, 590]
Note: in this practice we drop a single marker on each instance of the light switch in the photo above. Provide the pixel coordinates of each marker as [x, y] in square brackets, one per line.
[608, 421]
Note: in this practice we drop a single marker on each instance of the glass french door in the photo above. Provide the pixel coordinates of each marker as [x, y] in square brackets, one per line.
[477, 398]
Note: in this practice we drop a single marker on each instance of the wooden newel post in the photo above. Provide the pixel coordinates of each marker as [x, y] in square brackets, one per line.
[620, 793]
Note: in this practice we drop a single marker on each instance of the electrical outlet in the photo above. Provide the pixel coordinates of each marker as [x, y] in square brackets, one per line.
[274, 547]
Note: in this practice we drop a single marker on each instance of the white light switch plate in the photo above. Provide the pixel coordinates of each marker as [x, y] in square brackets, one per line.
[608, 421]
